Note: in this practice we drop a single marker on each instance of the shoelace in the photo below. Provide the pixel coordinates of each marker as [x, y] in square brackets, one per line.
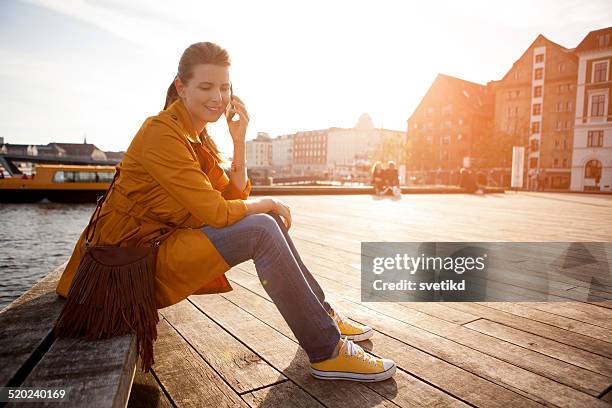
[338, 318]
[352, 349]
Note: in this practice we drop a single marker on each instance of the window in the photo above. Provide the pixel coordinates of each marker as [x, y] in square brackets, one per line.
[558, 125]
[539, 58]
[597, 105]
[556, 162]
[444, 155]
[539, 73]
[533, 162]
[592, 169]
[561, 67]
[534, 145]
[556, 144]
[561, 88]
[537, 109]
[564, 162]
[569, 106]
[535, 127]
[603, 40]
[105, 176]
[568, 124]
[600, 71]
[447, 110]
[537, 91]
[595, 138]
[446, 139]
[517, 74]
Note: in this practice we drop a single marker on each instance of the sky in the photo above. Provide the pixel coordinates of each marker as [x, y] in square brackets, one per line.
[98, 68]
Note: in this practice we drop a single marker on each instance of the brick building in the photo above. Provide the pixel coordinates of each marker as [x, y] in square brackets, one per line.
[445, 128]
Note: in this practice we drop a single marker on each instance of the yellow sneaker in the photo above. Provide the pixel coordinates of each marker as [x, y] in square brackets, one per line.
[350, 330]
[353, 364]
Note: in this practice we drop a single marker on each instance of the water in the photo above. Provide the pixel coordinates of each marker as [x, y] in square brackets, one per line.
[34, 240]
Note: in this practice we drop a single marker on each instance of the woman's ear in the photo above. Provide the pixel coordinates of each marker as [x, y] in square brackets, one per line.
[180, 88]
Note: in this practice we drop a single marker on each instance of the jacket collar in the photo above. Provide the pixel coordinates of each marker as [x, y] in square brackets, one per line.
[178, 112]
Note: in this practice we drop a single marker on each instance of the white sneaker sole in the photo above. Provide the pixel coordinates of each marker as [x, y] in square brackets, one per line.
[359, 337]
[341, 375]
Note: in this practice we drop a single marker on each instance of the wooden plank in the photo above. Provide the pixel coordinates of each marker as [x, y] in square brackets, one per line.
[432, 335]
[572, 355]
[588, 313]
[553, 321]
[26, 326]
[489, 311]
[285, 355]
[94, 373]
[285, 394]
[429, 381]
[186, 377]
[242, 369]
[146, 391]
[551, 368]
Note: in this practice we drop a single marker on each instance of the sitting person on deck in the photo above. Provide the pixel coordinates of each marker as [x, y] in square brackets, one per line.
[172, 169]
[378, 178]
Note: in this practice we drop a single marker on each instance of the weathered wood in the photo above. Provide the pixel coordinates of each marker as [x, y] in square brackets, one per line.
[285, 355]
[491, 312]
[481, 355]
[551, 319]
[25, 328]
[146, 391]
[242, 369]
[589, 383]
[449, 381]
[186, 377]
[285, 394]
[563, 352]
[94, 373]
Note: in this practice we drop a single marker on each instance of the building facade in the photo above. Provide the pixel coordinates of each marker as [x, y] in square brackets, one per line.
[259, 152]
[444, 129]
[592, 147]
[534, 106]
[282, 154]
[310, 152]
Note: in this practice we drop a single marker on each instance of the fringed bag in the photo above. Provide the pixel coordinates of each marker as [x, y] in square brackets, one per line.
[113, 293]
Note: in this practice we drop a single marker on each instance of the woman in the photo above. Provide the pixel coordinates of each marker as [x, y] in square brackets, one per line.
[171, 175]
[378, 178]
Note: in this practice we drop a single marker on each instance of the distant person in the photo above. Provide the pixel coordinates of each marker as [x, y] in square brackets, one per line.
[378, 178]
[172, 171]
[468, 182]
[392, 179]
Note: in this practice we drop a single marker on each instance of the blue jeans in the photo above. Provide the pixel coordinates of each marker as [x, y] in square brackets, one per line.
[295, 292]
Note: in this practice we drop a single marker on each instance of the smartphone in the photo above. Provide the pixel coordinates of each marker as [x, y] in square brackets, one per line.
[230, 105]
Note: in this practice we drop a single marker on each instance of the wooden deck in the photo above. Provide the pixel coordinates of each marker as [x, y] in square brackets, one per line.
[235, 349]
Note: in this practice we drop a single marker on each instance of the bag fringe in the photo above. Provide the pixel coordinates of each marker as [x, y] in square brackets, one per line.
[106, 301]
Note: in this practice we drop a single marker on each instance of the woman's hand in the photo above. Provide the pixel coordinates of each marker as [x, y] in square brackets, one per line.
[238, 128]
[283, 210]
[263, 205]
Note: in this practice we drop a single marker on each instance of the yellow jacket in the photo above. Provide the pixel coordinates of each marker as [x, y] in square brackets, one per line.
[167, 170]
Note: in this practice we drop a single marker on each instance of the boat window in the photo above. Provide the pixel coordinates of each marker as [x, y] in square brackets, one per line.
[85, 177]
[58, 177]
[82, 177]
[105, 176]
